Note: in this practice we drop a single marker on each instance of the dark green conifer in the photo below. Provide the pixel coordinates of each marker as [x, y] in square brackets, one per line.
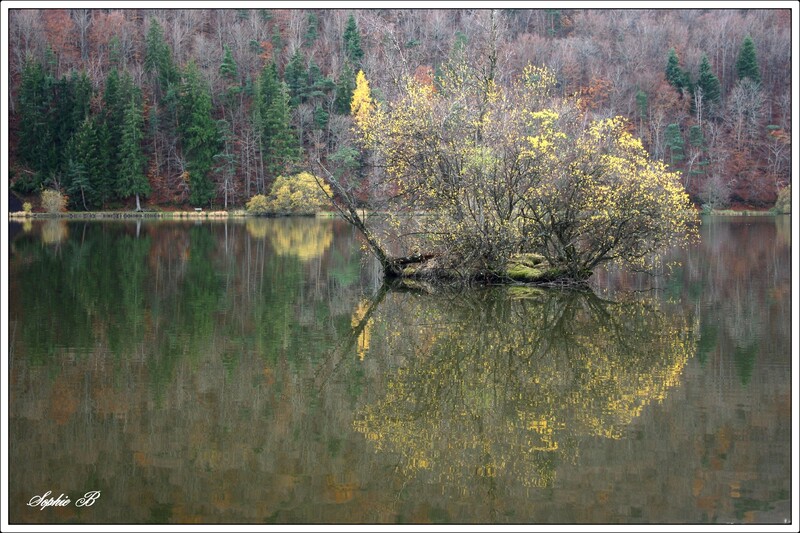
[352, 41]
[747, 63]
[131, 179]
[199, 135]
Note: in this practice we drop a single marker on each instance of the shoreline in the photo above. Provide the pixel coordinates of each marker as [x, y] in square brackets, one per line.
[166, 215]
[218, 215]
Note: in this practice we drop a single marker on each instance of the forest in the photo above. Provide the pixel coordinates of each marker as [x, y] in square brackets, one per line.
[124, 108]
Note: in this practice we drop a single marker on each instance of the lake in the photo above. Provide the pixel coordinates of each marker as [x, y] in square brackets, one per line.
[256, 371]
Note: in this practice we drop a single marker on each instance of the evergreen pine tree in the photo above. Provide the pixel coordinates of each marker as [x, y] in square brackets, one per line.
[62, 119]
[296, 76]
[277, 41]
[86, 164]
[675, 144]
[279, 144]
[352, 41]
[199, 135]
[708, 82]
[36, 132]
[283, 147]
[131, 180]
[230, 72]
[116, 97]
[78, 186]
[82, 88]
[321, 117]
[228, 69]
[696, 138]
[676, 76]
[158, 57]
[318, 86]
[103, 178]
[344, 90]
[312, 30]
[746, 63]
[709, 90]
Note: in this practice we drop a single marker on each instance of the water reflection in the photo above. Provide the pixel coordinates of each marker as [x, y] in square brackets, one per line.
[54, 231]
[202, 373]
[304, 238]
[501, 383]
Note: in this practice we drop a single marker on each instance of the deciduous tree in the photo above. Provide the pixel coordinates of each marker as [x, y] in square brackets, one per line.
[500, 170]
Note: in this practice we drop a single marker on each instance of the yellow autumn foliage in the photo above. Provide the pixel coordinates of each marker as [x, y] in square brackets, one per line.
[298, 194]
[504, 169]
[301, 238]
[481, 394]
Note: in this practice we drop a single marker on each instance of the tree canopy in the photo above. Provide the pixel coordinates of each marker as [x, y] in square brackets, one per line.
[477, 173]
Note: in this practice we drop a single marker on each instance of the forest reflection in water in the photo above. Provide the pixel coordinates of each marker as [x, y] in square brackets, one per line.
[256, 371]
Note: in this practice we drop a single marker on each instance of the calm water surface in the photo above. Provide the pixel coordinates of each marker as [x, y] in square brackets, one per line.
[256, 372]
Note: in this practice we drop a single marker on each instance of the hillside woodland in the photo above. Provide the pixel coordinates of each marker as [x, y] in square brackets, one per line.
[130, 108]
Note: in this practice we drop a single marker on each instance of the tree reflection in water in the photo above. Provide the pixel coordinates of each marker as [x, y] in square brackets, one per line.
[304, 238]
[500, 383]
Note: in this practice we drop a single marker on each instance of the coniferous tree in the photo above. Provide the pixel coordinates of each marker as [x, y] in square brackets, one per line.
[279, 144]
[746, 62]
[78, 186]
[316, 81]
[676, 76]
[675, 144]
[103, 178]
[228, 69]
[82, 88]
[131, 180]
[708, 82]
[312, 30]
[673, 70]
[697, 141]
[62, 119]
[158, 57]
[352, 42]
[321, 117]
[296, 77]
[230, 73]
[277, 41]
[344, 90]
[117, 95]
[199, 135]
[87, 167]
[36, 129]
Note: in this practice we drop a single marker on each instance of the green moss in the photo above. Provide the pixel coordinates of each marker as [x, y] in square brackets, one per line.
[537, 274]
[531, 268]
[529, 260]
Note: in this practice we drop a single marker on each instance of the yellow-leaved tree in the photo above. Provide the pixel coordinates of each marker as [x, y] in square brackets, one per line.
[300, 194]
[478, 173]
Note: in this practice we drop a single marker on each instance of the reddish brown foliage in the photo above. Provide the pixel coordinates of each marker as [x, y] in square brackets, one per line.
[60, 32]
[424, 75]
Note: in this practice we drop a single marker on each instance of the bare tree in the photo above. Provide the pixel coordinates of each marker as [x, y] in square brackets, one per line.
[83, 20]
